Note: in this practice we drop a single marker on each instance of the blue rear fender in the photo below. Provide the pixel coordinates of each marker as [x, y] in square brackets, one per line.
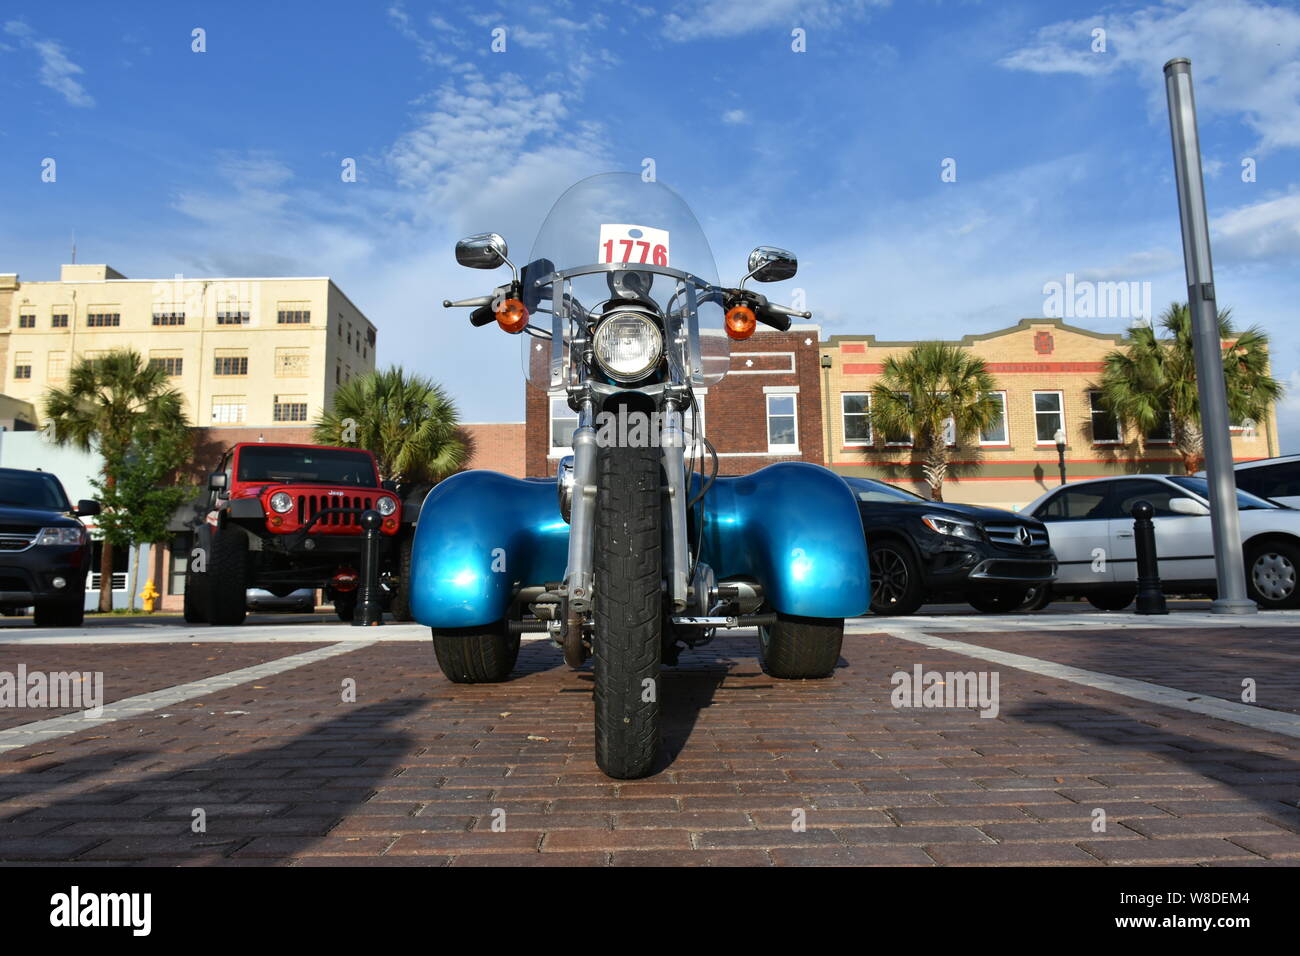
[793, 527]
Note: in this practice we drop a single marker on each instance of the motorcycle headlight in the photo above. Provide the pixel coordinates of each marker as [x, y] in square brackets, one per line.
[60, 536]
[386, 506]
[627, 346]
[281, 502]
[953, 527]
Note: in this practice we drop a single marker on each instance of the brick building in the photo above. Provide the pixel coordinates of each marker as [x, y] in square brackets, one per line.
[1046, 373]
[768, 408]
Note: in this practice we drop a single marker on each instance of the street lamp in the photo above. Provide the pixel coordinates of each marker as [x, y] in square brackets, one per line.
[1060, 451]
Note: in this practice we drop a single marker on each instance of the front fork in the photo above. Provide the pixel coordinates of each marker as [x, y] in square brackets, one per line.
[578, 578]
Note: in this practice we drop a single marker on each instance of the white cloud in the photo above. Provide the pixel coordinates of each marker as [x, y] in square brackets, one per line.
[56, 71]
[726, 18]
[1245, 58]
[1262, 230]
[735, 117]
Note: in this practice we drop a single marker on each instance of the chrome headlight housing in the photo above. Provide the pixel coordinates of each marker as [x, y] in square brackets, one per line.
[281, 502]
[386, 506]
[954, 527]
[60, 536]
[627, 345]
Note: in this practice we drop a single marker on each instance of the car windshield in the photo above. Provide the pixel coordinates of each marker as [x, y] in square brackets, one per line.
[1245, 500]
[32, 490]
[618, 218]
[326, 466]
[878, 491]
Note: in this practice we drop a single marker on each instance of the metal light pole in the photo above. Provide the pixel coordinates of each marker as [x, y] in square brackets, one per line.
[1060, 451]
[1208, 348]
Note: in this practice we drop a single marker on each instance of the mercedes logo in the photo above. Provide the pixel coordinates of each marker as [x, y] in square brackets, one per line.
[1023, 536]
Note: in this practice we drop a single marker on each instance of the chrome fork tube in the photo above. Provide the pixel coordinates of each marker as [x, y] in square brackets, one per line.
[582, 515]
[677, 564]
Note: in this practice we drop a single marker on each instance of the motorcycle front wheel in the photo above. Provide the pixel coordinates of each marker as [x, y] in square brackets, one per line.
[627, 608]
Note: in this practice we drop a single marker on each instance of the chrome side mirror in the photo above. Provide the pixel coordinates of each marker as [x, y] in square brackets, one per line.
[484, 251]
[770, 264]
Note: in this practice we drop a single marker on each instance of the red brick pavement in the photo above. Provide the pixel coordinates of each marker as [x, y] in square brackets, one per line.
[417, 771]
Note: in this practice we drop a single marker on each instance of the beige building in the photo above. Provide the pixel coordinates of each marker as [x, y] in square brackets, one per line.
[1047, 374]
[247, 354]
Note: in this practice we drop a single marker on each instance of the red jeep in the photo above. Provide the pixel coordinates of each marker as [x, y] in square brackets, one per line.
[283, 517]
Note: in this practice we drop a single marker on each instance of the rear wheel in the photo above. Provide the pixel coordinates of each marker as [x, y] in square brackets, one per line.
[627, 609]
[476, 655]
[896, 586]
[1271, 573]
[345, 606]
[63, 613]
[1111, 600]
[800, 648]
[226, 584]
[1036, 598]
[401, 606]
[195, 609]
[997, 600]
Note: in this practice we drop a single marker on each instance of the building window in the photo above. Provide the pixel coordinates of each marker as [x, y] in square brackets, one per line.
[235, 317]
[100, 320]
[289, 408]
[293, 316]
[564, 421]
[782, 422]
[228, 409]
[1162, 434]
[23, 365]
[856, 409]
[27, 320]
[56, 368]
[1105, 427]
[181, 546]
[59, 320]
[169, 318]
[1049, 417]
[230, 365]
[900, 439]
[291, 364]
[996, 433]
[170, 364]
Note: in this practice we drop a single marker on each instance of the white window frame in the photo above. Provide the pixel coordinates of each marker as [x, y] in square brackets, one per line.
[1093, 412]
[844, 422]
[910, 442]
[1060, 415]
[1165, 442]
[557, 451]
[792, 393]
[1006, 424]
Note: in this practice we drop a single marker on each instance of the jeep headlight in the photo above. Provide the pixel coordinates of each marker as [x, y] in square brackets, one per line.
[60, 536]
[386, 506]
[953, 527]
[281, 502]
[627, 346]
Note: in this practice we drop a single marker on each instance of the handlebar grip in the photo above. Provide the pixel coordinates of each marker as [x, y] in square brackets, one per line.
[481, 316]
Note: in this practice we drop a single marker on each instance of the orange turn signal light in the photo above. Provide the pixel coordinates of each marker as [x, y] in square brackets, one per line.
[512, 316]
[741, 322]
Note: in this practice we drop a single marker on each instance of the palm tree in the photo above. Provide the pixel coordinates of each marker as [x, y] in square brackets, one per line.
[1152, 382]
[407, 422]
[939, 394]
[108, 403]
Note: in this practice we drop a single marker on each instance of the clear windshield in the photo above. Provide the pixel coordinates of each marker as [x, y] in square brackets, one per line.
[1245, 500]
[617, 218]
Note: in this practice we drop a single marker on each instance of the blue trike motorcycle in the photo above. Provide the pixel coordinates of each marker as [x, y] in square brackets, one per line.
[637, 547]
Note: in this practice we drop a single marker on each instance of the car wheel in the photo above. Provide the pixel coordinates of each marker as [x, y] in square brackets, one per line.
[59, 613]
[800, 648]
[997, 600]
[1111, 600]
[1271, 573]
[895, 579]
[1036, 598]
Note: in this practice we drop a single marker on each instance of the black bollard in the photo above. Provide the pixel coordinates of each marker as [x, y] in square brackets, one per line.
[1150, 599]
[370, 612]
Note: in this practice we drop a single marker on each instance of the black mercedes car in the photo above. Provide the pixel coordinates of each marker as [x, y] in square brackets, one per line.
[44, 549]
[925, 551]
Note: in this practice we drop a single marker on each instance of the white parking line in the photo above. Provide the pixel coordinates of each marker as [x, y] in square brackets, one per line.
[1074, 621]
[1250, 716]
[202, 634]
[42, 731]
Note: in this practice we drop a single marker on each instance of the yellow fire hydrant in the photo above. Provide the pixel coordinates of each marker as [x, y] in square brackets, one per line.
[149, 596]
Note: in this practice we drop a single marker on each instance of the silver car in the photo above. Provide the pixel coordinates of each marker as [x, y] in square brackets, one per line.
[1091, 528]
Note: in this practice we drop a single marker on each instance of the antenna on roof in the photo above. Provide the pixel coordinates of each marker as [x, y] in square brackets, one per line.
[74, 247]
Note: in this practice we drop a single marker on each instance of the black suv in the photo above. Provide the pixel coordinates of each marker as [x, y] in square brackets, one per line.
[925, 551]
[44, 549]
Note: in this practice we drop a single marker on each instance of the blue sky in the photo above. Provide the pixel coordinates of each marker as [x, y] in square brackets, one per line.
[227, 162]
